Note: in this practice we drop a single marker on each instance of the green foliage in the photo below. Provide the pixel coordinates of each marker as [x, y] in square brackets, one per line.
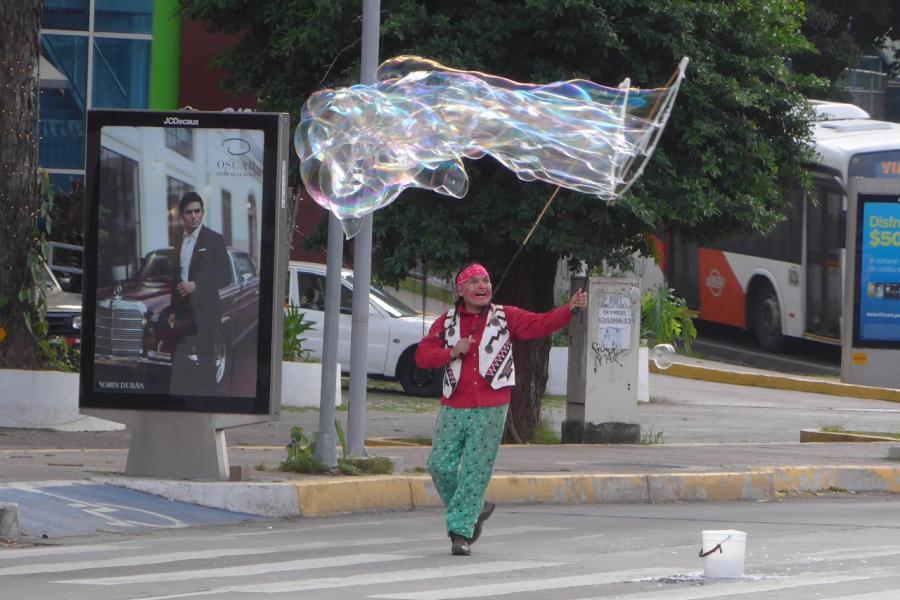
[544, 434]
[842, 31]
[301, 457]
[55, 352]
[301, 454]
[666, 319]
[373, 465]
[295, 325]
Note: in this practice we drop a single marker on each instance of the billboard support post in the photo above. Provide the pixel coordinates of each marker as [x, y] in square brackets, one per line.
[173, 445]
[870, 323]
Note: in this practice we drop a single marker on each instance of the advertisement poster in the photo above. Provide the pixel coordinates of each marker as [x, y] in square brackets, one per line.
[615, 321]
[177, 288]
[878, 303]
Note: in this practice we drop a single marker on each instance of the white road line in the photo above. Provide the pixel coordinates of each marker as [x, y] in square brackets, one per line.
[870, 596]
[723, 588]
[850, 554]
[167, 557]
[56, 550]
[589, 537]
[243, 570]
[301, 585]
[510, 587]
[302, 529]
[878, 410]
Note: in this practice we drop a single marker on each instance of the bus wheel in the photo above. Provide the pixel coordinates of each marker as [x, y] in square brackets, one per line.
[767, 319]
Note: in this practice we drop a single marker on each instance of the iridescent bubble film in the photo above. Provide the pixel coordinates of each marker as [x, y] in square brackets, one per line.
[361, 146]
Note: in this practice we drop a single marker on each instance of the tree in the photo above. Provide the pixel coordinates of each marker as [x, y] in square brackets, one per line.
[734, 143]
[842, 31]
[19, 27]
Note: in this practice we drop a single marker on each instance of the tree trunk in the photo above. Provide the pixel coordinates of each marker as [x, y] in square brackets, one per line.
[528, 285]
[19, 204]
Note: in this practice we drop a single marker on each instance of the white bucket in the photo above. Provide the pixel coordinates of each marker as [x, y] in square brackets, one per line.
[723, 553]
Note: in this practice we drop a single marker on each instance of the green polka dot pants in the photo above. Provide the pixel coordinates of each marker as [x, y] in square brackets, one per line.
[462, 459]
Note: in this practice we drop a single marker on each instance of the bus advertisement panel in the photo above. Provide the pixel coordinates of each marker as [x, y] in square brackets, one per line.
[877, 318]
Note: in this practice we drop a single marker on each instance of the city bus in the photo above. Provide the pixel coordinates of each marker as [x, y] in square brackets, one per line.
[789, 283]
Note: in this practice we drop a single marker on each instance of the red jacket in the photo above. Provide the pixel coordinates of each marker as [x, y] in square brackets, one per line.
[473, 391]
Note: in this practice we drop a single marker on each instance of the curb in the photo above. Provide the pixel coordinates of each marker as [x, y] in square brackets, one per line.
[780, 382]
[321, 497]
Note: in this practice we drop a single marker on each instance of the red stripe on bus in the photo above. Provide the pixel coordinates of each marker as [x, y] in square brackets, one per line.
[721, 295]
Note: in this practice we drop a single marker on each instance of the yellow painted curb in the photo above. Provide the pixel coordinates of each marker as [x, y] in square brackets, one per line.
[820, 478]
[318, 497]
[358, 494]
[813, 435]
[780, 382]
[711, 487]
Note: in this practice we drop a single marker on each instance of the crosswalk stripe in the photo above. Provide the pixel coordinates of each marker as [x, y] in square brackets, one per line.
[510, 587]
[244, 570]
[45, 551]
[723, 589]
[869, 596]
[301, 585]
[166, 557]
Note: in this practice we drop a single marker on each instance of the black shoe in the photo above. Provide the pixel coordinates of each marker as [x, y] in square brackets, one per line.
[486, 512]
[459, 545]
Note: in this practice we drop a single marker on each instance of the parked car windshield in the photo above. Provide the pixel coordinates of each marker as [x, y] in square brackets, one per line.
[156, 268]
[390, 304]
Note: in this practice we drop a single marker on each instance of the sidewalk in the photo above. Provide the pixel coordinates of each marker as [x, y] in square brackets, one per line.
[720, 441]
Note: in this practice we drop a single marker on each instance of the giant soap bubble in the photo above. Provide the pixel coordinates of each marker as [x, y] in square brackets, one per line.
[361, 146]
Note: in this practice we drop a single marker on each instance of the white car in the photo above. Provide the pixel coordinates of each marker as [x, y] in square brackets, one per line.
[394, 328]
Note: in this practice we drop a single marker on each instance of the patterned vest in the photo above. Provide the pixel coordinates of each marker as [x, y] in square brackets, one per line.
[495, 357]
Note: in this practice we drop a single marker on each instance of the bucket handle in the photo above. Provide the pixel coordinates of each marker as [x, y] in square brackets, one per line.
[708, 552]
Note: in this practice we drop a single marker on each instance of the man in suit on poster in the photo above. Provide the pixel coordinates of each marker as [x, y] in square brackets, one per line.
[202, 268]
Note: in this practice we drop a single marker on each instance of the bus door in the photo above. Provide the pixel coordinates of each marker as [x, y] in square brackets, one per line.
[823, 257]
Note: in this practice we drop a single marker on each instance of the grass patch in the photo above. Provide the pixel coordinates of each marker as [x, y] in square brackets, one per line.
[551, 402]
[373, 465]
[544, 434]
[301, 458]
[305, 462]
[411, 284]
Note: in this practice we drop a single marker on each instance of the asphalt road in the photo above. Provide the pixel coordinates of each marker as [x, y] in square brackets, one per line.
[799, 356]
[827, 548]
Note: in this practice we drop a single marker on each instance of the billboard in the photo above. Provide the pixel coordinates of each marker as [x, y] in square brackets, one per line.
[183, 231]
[877, 285]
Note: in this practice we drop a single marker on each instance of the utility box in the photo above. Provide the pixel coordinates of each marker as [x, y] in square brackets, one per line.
[870, 336]
[601, 402]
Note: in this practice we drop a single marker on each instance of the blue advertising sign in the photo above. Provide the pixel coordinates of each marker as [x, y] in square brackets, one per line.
[877, 314]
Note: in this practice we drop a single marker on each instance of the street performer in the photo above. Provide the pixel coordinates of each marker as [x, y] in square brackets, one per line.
[473, 342]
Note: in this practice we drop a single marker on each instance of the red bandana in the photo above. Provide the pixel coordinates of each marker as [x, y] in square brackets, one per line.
[473, 270]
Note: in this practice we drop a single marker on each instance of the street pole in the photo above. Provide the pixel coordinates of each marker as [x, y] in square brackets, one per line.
[325, 445]
[362, 263]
